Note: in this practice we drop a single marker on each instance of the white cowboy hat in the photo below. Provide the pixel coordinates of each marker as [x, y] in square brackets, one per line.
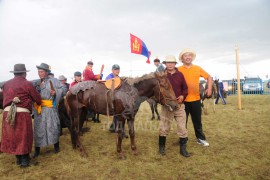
[187, 50]
[170, 58]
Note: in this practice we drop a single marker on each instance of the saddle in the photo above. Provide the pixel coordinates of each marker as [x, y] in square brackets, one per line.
[82, 86]
[112, 84]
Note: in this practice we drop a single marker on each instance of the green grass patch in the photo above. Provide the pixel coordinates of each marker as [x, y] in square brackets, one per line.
[239, 149]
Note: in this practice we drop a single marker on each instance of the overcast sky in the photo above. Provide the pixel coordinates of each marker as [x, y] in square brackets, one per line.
[67, 33]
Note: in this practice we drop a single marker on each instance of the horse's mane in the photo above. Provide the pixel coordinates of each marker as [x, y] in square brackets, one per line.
[131, 81]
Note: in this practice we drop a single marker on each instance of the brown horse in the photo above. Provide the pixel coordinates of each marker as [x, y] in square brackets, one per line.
[215, 89]
[123, 102]
[153, 105]
[1, 99]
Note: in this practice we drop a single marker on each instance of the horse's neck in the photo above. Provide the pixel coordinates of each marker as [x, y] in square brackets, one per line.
[145, 88]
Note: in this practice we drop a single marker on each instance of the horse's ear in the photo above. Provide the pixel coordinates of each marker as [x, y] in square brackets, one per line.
[160, 74]
[157, 74]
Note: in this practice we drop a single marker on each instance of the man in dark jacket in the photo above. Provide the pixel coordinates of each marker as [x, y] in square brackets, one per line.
[180, 89]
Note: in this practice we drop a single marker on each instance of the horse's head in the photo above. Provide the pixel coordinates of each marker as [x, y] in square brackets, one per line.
[165, 94]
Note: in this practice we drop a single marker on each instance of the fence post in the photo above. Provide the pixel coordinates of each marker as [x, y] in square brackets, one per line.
[238, 79]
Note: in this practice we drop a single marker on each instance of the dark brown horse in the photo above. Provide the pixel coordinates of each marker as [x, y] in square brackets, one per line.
[153, 105]
[123, 102]
[1, 99]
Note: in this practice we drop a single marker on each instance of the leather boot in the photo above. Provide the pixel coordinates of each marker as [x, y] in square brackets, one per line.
[56, 147]
[25, 160]
[162, 142]
[37, 151]
[18, 160]
[183, 145]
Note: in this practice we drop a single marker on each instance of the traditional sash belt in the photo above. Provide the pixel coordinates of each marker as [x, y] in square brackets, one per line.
[44, 103]
[18, 109]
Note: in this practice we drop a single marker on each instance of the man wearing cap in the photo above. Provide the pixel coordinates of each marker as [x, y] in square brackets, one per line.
[88, 74]
[47, 123]
[159, 66]
[63, 80]
[192, 74]
[179, 86]
[17, 132]
[77, 78]
[115, 73]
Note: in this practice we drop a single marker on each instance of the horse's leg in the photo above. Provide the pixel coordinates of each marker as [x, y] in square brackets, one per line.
[152, 110]
[97, 120]
[83, 117]
[76, 133]
[72, 133]
[206, 107]
[214, 105]
[119, 130]
[156, 110]
[79, 144]
[202, 106]
[132, 136]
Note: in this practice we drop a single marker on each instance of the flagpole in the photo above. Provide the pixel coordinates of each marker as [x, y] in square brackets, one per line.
[130, 70]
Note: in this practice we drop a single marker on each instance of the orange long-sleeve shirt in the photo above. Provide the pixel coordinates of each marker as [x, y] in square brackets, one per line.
[192, 76]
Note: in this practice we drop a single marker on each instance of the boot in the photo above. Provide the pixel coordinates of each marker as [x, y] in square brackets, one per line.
[25, 161]
[37, 151]
[183, 145]
[18, 160]
[162, 142]
[56, 147]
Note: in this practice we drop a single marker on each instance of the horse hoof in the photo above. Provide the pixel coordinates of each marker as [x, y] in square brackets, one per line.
[122, 156]
[135, 153]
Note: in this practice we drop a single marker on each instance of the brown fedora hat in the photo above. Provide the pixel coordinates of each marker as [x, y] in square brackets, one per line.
[19, 68]
[44, 66]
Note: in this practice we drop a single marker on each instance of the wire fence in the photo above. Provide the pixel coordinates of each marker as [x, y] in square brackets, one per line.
[247, 86]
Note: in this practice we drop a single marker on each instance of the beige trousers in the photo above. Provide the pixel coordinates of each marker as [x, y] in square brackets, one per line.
[167, 117]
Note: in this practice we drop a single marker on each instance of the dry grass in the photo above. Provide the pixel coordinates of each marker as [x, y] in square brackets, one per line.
[239, 149]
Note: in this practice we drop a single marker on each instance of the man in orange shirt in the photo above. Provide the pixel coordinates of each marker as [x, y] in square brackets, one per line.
[192, 74]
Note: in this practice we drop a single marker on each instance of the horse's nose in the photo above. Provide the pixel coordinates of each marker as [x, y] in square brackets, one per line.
[176, 106]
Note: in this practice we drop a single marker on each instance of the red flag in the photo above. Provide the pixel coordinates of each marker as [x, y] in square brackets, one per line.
[139, 47]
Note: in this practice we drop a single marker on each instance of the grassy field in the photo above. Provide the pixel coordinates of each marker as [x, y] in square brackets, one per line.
[239, 149]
